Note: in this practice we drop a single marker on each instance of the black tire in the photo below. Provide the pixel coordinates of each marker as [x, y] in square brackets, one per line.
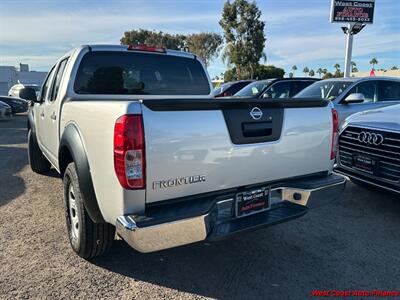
[88, 239]
[37, 161]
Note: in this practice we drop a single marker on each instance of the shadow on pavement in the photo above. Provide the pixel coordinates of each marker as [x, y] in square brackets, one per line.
[12, 160]
[212, 270]
[13, 131]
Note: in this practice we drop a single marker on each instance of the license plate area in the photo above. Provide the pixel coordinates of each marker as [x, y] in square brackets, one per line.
[252, 201]
[365, 163]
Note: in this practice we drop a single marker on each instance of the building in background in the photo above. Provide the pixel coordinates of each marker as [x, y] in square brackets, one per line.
[10, 75]
[391, 73]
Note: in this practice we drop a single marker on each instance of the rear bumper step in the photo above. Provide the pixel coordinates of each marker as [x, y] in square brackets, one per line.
[176, 225]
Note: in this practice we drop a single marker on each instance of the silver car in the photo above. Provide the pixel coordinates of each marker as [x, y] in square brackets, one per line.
[369, 148]
[352, 95]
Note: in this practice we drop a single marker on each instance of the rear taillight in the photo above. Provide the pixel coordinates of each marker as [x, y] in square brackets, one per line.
[335, 133]
[129, 152]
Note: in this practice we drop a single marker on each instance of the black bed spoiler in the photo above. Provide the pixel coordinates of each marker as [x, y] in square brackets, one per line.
[231, 103]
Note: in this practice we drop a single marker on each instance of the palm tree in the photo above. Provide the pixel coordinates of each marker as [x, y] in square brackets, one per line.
[354, 68]
[311, 73]
[306, 71]
[373, 62]
[320, 71]
[337, 67]
[294, 68]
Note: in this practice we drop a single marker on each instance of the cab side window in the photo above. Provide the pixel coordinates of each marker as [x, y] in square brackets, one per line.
[46, 85]
[57, 80]
[389, 91]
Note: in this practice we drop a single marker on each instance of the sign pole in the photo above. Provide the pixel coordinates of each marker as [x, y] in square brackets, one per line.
[349, 50]
[357, 13]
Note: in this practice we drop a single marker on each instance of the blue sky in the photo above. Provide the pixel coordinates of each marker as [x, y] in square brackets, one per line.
[298, 32]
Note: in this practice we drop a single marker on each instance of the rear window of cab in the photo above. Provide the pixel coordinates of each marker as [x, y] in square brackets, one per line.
[140, 73]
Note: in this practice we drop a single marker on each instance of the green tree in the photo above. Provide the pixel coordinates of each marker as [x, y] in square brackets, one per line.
[205, 45]
[153, 38]
[354, 68]
[394, 68]
[244, 36]
[319, 72]
[294, 68]
[306, 71]
[261, 72]
[290, 75]
[267, 72]
[373, 62]
[327, 75]
[337, 73]
[337, 66]
[311, 73]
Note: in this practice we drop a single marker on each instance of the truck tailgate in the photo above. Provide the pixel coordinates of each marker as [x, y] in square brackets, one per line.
[201, 146]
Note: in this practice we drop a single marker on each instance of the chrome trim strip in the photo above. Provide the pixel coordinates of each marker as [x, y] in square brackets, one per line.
[348, 176]
[362, 151]
[368, 127]
[367, 175]
[367, 147]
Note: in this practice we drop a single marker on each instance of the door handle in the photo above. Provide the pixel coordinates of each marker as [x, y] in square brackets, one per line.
[53, 116]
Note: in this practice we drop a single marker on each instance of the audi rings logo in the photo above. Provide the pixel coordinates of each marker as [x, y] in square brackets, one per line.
[370, 138]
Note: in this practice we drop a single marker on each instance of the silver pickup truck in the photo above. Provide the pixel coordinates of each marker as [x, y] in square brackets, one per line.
[145, 151]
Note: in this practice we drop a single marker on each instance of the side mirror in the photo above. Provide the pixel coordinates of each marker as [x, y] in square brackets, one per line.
[28, 93]
[355, 98]
[267, 95]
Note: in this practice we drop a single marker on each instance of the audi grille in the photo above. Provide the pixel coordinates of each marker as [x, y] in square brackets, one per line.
[383, 146]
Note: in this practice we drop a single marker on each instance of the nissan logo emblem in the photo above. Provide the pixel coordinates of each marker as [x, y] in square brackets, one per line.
[370, 138]
[256, 113]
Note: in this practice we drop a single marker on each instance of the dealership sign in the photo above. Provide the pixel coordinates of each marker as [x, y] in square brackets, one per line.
[348, 11]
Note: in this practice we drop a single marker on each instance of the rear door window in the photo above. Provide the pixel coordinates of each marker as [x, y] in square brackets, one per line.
[279, 90]
[57, 81]
[237, 87]
[389, 91]
[134, 73]
[46, 85]
[298, 86]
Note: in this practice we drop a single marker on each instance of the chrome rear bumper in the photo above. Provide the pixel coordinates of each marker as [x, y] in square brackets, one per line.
[287, 202]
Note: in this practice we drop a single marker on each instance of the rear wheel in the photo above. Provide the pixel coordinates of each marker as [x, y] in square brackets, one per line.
[37, 160]
[88, 239]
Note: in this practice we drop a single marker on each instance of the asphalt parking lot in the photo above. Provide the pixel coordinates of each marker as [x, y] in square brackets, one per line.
[349, 244]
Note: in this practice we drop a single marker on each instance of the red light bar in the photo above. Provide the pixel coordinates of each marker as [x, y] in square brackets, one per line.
[146, 48]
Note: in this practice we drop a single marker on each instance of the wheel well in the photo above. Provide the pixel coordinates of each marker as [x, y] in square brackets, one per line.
[64, 158]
